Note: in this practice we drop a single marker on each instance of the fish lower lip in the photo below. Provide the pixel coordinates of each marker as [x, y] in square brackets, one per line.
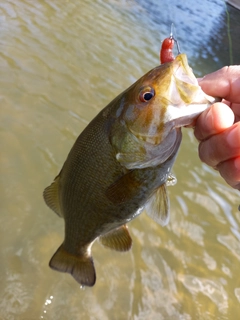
[185, 115]
[186, 121]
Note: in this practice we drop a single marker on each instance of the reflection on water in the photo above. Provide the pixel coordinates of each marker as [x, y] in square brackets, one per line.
[61, 62]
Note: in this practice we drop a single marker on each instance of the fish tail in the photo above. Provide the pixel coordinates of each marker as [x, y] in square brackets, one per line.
[80, 267]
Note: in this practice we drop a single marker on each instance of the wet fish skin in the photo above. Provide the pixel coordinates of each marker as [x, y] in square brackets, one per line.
[120, 163]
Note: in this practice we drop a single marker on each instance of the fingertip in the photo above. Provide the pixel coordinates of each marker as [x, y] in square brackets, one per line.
[214, 120]
[222, 117]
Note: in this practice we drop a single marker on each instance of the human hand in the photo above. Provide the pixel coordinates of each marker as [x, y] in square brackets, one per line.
[218, 127]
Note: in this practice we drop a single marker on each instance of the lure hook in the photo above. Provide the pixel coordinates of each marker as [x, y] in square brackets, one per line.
[174, 38]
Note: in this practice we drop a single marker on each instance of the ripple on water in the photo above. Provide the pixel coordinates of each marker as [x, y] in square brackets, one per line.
[61, 62]
[212, 289]
[231, 243]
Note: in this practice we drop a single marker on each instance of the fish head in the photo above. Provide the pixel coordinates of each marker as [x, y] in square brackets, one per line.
[165, 98]
[150, 114]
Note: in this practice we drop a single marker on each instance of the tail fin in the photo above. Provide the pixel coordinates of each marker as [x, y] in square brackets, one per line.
[80, 267]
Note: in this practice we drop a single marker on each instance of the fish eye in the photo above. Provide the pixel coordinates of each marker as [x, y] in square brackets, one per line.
[146, 94]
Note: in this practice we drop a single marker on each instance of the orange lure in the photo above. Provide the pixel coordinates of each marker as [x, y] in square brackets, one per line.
[166, 54]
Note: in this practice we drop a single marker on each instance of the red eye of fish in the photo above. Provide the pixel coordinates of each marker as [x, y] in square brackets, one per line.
[146, 94]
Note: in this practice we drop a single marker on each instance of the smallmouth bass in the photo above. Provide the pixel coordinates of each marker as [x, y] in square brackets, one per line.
[120, 165]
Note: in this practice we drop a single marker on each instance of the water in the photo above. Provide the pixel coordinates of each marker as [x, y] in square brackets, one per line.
[61, 62]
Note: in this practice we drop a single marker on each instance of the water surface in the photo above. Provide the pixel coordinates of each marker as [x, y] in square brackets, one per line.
[61, 62]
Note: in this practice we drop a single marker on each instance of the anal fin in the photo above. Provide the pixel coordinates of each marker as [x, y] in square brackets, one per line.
[80, 267]
[118, 239]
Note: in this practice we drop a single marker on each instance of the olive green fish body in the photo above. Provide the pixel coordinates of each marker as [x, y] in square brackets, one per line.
[120, 164]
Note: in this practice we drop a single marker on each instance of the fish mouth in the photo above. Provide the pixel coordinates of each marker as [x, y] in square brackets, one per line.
[177, 116]
[187, 99]
[188, 116]
[181, 116]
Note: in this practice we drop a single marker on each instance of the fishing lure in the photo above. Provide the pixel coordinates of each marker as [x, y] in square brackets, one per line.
[166, 53]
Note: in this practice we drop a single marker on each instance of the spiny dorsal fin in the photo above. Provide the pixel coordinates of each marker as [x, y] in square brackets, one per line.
[119, 239]
[80, 267]
[51, 196]
[158, 206]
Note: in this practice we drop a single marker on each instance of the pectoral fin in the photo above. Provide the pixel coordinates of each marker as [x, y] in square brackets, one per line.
[124, 188]
[158, 206]
[51, 196]
[119, 239]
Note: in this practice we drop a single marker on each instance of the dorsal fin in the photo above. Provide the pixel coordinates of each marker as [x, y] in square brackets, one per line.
[157, 206]
[119, 239]
[51, 196]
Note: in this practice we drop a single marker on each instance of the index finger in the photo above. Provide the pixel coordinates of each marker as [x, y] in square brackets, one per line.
[223, 83]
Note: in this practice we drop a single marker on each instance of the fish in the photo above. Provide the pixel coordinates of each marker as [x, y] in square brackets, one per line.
[120, 165]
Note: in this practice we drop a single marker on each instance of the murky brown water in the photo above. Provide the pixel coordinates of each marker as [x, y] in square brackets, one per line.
[60, 63]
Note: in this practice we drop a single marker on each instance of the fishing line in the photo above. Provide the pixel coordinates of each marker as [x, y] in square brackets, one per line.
[175, 37]
[229, 35]
[170, 11]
